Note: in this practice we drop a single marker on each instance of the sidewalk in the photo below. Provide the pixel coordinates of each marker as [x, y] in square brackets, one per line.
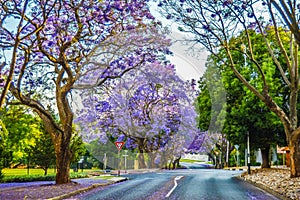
[48, 189]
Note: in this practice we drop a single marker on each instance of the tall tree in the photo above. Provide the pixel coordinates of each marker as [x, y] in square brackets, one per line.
[214, 23]
[245, 113]
[42, 152]
[151, 108]
[3, 147]
[49, 45]
[23, 130]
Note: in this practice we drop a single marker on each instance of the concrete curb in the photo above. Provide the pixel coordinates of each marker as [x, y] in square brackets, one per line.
[115, 180]
[261, 186]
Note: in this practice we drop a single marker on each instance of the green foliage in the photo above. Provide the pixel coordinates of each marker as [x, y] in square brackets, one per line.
[27, 139]
[77, 146]
[244, 111]
[42, 153]
[203, 106]
[23, 129]
[211, 102]
[3, 147]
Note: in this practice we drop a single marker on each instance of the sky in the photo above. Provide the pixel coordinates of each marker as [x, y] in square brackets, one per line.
[188, 65]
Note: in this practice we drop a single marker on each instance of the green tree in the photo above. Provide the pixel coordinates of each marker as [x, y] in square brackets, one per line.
[23, 129]
[252, 115]
[245, 113]
[42, 152]
[77, 146]
[3, 147]
[103, 154]
[214, 23]
[211, 107]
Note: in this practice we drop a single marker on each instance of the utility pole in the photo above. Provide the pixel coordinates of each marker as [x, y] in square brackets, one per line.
[227, 154]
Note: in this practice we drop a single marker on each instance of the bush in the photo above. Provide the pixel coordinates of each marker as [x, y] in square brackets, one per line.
[256, 164]
[27, 178]
[78, 175]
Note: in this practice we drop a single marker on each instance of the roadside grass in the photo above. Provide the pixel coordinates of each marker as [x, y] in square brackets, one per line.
[106, 177]
[22, 175]
[21, 172]
[190, 161]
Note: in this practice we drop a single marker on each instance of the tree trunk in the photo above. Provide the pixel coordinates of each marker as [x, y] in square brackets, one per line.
[265, 157]
[141, 159]
[294, 147]
[63, 160]
[152, 159]
[176, 163]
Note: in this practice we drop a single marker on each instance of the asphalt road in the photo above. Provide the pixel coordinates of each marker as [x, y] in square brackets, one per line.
[188, 184]
[216, 184]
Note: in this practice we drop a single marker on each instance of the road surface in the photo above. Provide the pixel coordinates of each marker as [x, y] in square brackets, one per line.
[190, 184]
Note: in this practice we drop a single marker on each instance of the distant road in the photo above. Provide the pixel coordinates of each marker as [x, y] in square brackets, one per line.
[187, 184]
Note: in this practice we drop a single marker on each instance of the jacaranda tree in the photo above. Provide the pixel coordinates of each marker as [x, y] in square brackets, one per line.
[49, 45]
[213, 23]
[150, 108]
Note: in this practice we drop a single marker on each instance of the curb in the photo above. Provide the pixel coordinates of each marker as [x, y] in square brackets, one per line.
[261, 186]
[117, 180]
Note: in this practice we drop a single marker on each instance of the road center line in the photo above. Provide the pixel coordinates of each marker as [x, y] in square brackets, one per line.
[175, 185]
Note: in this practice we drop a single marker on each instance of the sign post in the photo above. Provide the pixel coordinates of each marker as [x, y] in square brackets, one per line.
[125, 156]
[119, 146]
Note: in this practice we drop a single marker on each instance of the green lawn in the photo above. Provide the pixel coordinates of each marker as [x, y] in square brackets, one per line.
[21, 172]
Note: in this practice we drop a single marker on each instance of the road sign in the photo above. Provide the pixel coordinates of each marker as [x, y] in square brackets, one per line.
[119, 145]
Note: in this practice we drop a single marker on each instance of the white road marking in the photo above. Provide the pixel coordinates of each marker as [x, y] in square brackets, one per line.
[175, 185]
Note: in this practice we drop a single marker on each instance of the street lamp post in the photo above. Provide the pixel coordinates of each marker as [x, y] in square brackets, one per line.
[104, 162]
[248, 152]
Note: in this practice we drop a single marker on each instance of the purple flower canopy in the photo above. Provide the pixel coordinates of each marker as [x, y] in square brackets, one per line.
[152, 103]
